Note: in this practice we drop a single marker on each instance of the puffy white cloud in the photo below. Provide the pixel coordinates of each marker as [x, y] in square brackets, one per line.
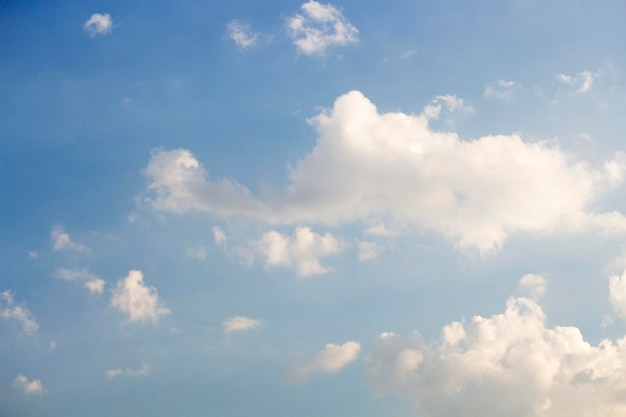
[320, 26]
[534, 285]
[331, 359]
[617, 294]
[510, 364]
[502, 90]
[368, 166]
[10, 311]
[239, 323]
[367, 250]
[99, 24]
[301, 252]
[242, 34]
[61, 241]
[143, 371]
[91, 281]
[29, 387]
[140, 302]
[219, 236]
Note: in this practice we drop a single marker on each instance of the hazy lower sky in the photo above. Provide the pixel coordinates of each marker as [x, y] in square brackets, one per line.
[347, 209]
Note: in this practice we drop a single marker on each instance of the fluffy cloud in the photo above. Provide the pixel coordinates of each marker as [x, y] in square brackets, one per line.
[509, 364]
[143, 371]
[91, 281]
[61, 241]
[29, 387]
[617, 294]
[368, 166]
[98, 24]
[331, 359]
[239, 323]
[10, 311]
[318, 27]
[140, 302]
[242, 34]
[219, 236]
[300, 252]
[533, 285]
[502, 90]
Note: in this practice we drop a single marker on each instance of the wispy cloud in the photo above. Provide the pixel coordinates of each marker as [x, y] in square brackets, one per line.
[91, 281]
[331, 359]
[62, 241]
[243, 35]
[129, 372]
[240, 323]
[10, 311]
[98, 24]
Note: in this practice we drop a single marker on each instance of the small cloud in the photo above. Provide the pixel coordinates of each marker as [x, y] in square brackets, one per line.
[62, 241]
[367, 251]
[239, 323]
[243, 35]
[91, 281]
[318, 27]
[331, 359]
[409, 54]
[196, 253]
[53, 345]
[28, 387]
[617, 294]
[33, 254]
[584, 81]
[502, 90]
[175, 330]
[140, 302]
[10, 311]
[219, 236]
[533, 285]
[606, 321]
[98, 24]
[128, 372]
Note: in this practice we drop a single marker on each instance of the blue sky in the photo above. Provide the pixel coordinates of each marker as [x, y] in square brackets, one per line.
[410, 209]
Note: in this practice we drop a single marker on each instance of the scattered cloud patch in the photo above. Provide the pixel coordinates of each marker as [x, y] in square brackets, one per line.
[33, 254]
[53, 344]
[242, 34]
[139, 301]
[301, 252]
[10, 311]
[240, 323]
[617, 294]
[502, 90]
[331, 359]
[368, 166]
[319, 27]
[219, 236]
[534, 285]
[99, 24]
[198, 253]
[367, 250]
[90, 280]
[62, 241]
[509, 364]
[580, 83]
[33, 386]
[143, 371]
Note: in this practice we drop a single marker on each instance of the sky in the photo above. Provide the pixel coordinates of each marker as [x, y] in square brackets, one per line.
[355, 209]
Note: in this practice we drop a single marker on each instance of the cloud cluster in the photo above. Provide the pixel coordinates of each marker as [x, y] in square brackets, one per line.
[62, 241]
[367, 167]
[509, 364]
[99, 24]
[319, 27]
[143, 371]
[91, 281]
[139, 301]
[240, 323]
[331, 359]
[502, 90]
[28, 387]
[10, 311]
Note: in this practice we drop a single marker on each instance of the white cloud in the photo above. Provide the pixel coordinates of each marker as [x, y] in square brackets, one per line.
[368, 166]
[502, 90]
[62, 241]
[10, 311]
[219, 236]
[239, 323]
[534, 285]
[53, 344]
[140, 302]
[617, 294]
[91, 281]
[98, 24]
[367, 250]
[33, 254]
[29, 387]
[509, 364]
[582, 82]
[143, 371]
[320, 26]
[301, 252]
[331, 359]
[242, 34]
[196, 253]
